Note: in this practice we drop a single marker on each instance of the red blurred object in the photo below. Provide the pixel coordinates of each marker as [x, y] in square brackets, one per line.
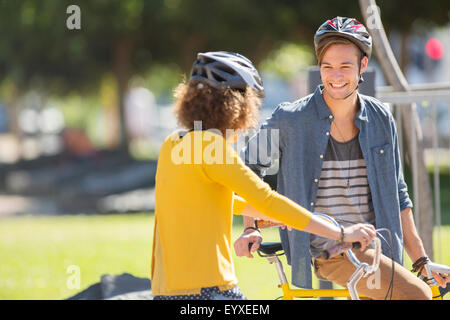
[78, 143]
[434, 49]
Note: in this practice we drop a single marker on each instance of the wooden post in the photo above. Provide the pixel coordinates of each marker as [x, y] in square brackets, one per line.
[395, 77]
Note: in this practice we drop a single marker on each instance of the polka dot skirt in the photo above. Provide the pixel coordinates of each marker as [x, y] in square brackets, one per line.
[211, 293]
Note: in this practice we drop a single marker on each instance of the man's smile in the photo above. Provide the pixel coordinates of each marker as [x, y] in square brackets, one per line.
[337, 85]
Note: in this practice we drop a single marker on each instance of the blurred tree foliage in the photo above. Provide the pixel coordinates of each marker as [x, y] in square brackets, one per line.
[288, 60]
[129, 37]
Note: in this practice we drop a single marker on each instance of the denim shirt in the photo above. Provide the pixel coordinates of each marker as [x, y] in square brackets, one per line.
[303, 133]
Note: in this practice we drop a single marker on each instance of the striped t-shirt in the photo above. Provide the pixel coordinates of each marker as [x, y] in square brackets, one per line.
[343, 191]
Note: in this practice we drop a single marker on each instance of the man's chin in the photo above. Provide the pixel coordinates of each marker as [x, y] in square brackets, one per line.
[338, 96]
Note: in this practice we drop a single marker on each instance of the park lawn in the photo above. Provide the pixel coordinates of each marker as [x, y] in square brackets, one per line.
[37, 253]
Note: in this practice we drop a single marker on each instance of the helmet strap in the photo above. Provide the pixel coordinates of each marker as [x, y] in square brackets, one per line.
[351, 93]
[357, 86]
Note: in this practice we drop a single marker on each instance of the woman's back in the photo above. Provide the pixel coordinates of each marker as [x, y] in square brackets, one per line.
[193, 215]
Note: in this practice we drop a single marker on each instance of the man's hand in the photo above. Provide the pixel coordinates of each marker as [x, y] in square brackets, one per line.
[241, 244]
[441, 279]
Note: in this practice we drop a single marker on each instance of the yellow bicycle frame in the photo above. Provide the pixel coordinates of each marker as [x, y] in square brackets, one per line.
[290, 294]
[435, 291]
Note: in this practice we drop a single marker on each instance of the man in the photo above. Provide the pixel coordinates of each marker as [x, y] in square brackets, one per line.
[338, 154]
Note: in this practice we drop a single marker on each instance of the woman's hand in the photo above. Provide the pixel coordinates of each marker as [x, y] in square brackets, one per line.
[361, 232]
[241, 244]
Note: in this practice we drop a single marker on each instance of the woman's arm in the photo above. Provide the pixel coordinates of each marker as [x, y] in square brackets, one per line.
[236, 176]
[249, 211]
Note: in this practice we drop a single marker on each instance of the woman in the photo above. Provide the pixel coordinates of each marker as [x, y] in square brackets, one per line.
[197, 173]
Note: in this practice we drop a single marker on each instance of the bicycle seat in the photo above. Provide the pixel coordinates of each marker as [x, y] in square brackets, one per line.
[270, 247]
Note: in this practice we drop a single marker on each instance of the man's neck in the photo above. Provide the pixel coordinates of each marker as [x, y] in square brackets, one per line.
[343, 109]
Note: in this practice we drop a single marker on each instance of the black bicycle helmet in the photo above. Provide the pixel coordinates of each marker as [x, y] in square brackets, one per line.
[222, 69]
[347, 28]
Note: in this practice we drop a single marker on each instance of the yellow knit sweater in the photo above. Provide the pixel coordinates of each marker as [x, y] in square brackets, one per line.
[195, 180]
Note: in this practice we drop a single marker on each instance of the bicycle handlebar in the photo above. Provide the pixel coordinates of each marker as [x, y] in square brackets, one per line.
[333, 251]
[438, 268]
[362, 268]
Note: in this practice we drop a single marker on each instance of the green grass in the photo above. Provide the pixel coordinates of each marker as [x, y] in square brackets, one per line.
[36, 252]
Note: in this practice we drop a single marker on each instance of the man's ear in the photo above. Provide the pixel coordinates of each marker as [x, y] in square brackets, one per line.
[364, 62]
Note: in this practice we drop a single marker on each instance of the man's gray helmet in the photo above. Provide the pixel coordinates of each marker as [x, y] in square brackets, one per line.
[221, 69]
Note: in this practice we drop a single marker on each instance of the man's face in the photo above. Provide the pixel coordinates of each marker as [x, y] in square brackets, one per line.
[340, 70]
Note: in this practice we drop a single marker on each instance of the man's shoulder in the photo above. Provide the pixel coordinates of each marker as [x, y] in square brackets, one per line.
[290, 107]
[376, 108]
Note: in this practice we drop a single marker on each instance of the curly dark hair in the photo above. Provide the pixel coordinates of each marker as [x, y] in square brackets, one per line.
[216, 108]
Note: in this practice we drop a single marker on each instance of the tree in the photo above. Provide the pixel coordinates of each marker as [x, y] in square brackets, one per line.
[129, 37]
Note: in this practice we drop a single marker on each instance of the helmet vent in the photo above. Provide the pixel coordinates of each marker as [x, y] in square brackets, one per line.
[207, 60]
[226, 69]
[243, 64]
[218, 77]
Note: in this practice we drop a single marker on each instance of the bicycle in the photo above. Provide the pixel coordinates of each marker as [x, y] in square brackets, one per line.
[272, 250]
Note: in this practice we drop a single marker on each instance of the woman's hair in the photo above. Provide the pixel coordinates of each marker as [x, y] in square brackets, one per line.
[216, 108]
[327, 42]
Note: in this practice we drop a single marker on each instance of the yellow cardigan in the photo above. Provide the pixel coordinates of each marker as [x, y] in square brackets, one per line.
[195, 180]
